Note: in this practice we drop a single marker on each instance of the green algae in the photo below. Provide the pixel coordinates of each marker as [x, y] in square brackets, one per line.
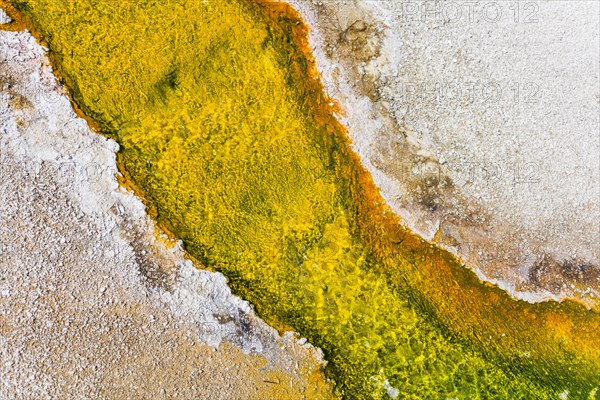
[223, 132]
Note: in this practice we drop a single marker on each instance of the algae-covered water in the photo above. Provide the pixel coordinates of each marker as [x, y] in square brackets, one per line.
[225, 133]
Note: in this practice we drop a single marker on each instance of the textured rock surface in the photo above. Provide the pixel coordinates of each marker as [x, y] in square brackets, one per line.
[94, 302]
[479, 122]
